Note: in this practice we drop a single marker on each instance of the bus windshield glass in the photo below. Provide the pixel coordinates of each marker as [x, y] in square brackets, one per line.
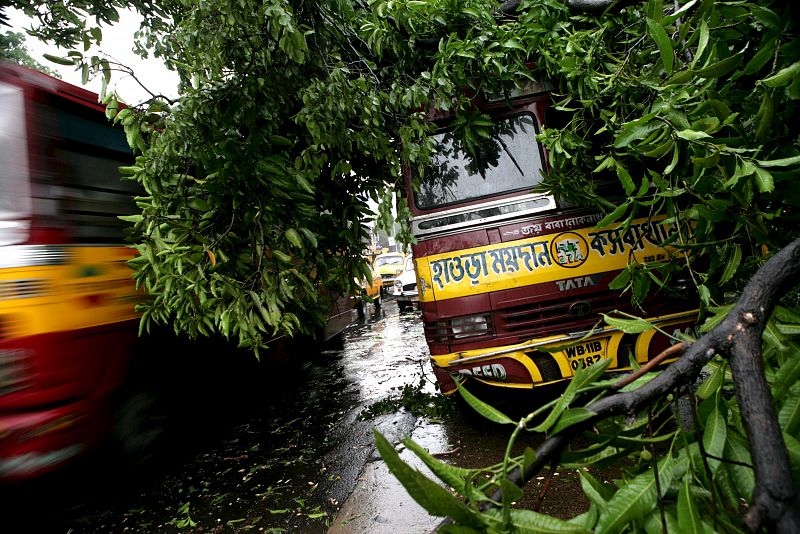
[508, 160]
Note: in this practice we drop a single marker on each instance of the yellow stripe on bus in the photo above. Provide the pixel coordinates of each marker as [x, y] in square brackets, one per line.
[607, 337]
[546, 258]
[92, 287]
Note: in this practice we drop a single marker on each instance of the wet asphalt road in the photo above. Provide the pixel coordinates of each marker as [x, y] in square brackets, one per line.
[280, 449]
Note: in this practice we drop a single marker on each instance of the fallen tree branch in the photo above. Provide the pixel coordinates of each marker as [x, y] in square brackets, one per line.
[650, 365]
[775, 504]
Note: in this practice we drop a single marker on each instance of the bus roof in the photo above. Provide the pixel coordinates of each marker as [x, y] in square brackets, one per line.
[30, 77]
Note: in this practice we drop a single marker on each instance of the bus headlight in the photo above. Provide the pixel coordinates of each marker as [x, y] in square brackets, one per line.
[471, 325]
[398, 287]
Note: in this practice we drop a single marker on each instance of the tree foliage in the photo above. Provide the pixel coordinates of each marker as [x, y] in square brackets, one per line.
[13, 49]
[258, 178]
[293, 114]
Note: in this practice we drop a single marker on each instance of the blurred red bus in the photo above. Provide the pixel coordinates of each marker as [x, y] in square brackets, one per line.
[67, 320]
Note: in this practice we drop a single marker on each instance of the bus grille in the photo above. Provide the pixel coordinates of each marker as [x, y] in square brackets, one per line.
[546, 318]
[24, 288]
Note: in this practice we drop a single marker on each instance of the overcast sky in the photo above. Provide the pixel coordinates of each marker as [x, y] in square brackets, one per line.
[117, 44]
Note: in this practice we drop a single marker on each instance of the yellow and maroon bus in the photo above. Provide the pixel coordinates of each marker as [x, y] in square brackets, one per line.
[68, 326]
[512, 281]
[67, 319]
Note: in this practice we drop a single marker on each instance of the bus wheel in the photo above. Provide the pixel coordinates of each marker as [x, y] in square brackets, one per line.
[140, 428]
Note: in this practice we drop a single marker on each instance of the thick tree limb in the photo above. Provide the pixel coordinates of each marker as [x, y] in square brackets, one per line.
[775, 502]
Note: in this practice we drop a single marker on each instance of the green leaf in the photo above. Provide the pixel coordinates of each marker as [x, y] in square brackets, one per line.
[783, 77]
[652, 523]
[674, 162]
[511, 492]
[785, 162]
[692, 135]
[663, 42]
[734, 259]
[765, 52]
[636, 129]
[293, 237]
[129, 170]
[597, 492]
[719, 315]
[613, 216]
[582, 378]
[587, 519]
[431, 496]
[635, 499]
[736, 449]
[310, 237]
[789, 414]
[705, 294]
[131, 218]
[716, 431]
[285, 258]
[571, 417]
[112, 108]
[793, 448]
[689, 521]
[530, 522]
[512, 43]
[482, 408]
[713, 382]
[279, 140]
[59, 60]
[621, 280]
[678, 13]
[702, 41]
[452, 476]
[788, 373]
[721, 68]
[199, 204]
[764, 181]
[625, 179]
[629, 326]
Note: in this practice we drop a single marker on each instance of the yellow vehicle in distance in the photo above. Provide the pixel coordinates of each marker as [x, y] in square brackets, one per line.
[388, 266]
[372, 292]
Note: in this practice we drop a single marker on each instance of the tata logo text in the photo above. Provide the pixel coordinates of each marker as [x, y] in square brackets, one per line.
[576, 283]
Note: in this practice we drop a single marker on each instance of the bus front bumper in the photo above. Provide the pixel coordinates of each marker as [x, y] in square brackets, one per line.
[33, 443]
[552, 359]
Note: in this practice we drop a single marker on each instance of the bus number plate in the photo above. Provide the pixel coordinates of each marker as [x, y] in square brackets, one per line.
[587, 353]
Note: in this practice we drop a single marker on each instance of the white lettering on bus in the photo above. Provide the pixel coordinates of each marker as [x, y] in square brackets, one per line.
[493, 371]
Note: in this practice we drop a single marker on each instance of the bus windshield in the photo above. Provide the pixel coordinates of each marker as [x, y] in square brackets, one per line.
[388, 260]
[508, 160]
